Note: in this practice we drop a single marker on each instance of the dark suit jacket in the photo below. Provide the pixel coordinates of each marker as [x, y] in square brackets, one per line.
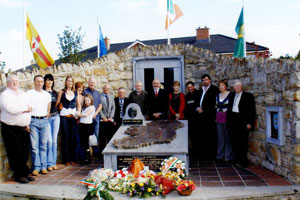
[157, 104]
[209, 102]
[117, 112]
[246, 108]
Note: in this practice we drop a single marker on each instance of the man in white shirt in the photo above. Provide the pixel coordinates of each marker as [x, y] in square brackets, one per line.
[15, 119]
[241, 118]
[41, 103]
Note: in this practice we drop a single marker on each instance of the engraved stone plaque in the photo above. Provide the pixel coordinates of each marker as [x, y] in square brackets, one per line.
[133, 115]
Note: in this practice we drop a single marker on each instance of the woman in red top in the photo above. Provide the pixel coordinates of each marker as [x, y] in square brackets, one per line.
[176, 103]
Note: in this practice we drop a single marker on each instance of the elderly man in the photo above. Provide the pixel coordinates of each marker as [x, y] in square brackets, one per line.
[157, 102]
[97, 103]
[15, 119]
[121, 103]
[41, 104]
[139, 96]
[107, 117]
[241, 119]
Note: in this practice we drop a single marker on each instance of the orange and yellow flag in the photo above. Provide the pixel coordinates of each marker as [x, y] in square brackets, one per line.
[40, 54]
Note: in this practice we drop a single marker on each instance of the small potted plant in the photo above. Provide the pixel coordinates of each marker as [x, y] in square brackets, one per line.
[186, 187]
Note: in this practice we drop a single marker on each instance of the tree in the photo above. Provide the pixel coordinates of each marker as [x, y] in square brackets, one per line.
[298, 56]
[70, 43]
[2, 65]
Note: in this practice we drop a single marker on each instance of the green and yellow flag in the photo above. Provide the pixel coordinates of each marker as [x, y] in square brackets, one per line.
[240, 48]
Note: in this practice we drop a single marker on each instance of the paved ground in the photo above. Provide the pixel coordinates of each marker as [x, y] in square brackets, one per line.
[204, 173]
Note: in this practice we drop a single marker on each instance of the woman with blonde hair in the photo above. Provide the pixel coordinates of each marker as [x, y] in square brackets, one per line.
[68, 99]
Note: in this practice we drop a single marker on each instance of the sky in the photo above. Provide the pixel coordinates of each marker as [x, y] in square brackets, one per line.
[271, 23]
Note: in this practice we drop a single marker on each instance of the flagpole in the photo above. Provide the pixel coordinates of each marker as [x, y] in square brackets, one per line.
[98, 49]
[23, 36]
[168, 20]
[245, 47]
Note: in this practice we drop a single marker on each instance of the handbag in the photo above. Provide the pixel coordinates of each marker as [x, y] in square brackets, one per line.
[221, 117]
[93, 140]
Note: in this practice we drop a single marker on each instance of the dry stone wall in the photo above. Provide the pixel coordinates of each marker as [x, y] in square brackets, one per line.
[273, 83]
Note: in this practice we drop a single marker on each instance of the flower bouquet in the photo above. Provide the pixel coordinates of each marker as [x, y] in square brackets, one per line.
[186, 187]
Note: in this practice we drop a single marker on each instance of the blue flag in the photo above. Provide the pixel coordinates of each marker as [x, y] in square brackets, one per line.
[102, 47]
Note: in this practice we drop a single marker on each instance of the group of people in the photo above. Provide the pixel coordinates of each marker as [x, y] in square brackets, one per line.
[218, 120]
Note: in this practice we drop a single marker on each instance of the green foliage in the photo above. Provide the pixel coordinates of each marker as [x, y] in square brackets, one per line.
[287, 56]
[298, 56]
[70, 43]
[2, 65]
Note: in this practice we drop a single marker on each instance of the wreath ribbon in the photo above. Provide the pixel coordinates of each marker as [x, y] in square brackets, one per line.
[168, 166]
[93, 186]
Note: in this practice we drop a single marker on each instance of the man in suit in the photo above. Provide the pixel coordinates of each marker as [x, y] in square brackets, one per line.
[121, 103]
[191, 105]
[206, 115]
[107, 117]
[157, 101]
[241, 118]
[139, 97]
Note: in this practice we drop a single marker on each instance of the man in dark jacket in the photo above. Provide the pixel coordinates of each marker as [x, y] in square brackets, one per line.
[157, 101]
[121, 103]
[241, 119]
[206, 117]
[191, 115]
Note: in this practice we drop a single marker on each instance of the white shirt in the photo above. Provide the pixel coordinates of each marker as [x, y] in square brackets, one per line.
[237, 98]
[39, 102]
[12, 105]
[88, 119]
[204, 89]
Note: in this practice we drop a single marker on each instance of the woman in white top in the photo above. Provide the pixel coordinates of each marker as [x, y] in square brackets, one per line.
[68, 98]
[86, 128]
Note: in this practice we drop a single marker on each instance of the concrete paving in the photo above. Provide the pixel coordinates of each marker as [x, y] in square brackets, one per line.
[61, 192]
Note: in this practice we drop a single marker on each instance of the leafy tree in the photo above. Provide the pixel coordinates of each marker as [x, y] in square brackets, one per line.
[70, 43]
[2, 65]
[298, 56]
[287, 56]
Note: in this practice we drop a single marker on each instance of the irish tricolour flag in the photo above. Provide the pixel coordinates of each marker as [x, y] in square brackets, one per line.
[173, 13]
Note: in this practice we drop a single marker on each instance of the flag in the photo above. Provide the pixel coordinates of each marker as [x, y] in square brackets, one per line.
[101, 43]
[239, 48]
[173, 13]
[40, 54]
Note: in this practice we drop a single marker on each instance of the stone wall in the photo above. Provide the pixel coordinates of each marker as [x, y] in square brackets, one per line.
[273, 83]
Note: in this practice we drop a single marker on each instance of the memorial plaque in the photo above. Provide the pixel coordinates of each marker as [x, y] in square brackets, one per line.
[152, 161]
[133, 115]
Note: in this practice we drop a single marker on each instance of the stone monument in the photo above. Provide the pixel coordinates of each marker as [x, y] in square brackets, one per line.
[150, 141]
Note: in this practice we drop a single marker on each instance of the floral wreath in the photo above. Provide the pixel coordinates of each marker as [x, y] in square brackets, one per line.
[173, 164]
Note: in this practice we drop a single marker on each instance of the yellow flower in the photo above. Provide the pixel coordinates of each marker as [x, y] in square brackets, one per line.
[141, 184]
[149, 189]
[157, 193]
[132, 184]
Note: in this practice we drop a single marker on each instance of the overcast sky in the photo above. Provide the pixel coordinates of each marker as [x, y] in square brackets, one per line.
[271, 23]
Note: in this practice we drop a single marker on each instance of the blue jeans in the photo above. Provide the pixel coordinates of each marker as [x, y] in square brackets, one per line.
[38, 139]
[53, 128]
[96, 123]
[68, 126]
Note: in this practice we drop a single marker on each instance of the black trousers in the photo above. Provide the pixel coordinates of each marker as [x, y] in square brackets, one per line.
[106, 133]
[239, 138]
[17, 143]
[206, 137]
[85, 130]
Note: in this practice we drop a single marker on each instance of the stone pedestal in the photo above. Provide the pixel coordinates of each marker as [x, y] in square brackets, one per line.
[177, 147]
